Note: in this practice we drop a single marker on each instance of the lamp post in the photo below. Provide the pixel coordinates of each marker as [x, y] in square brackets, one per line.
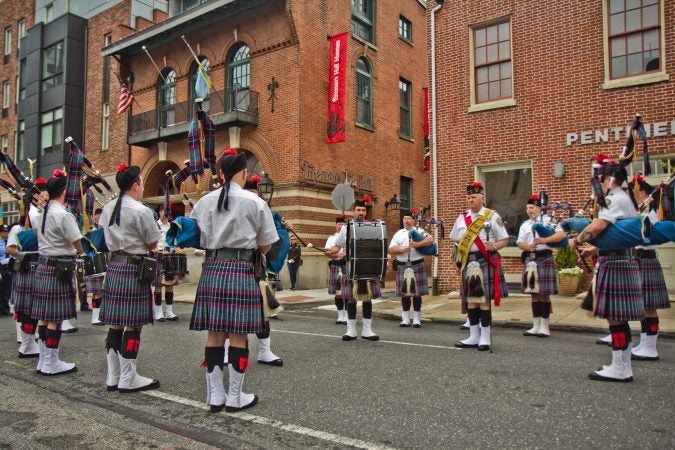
[393, 204]
[266, 188]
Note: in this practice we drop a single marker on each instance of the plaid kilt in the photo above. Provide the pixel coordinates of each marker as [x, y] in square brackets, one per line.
[334, 281]
[488, 282]
[548, 283]
[126, 300]
[228, 299]
[53, 300]
[421, 282]
[654, 288]
[618, 290]
[95, 284]
[22, 290]
[160, 276]
[347, 294]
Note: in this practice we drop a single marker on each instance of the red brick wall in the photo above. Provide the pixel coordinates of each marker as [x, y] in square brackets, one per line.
[558, 74]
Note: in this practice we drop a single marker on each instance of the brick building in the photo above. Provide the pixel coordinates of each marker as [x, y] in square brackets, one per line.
[268, 61]
[527, 94]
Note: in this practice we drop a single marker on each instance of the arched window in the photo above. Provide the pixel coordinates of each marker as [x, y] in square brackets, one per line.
[167, 98]
[239, 77]
[364, 88]
[194, 70]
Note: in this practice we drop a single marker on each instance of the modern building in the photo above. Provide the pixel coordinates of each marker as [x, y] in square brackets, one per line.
[269, 64]
[528, 92]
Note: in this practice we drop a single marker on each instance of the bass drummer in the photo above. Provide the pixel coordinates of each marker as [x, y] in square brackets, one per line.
[347, 285]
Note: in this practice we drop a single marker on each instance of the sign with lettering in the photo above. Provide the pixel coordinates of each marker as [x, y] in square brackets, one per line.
[315, 174]
[337, 76]
[658, 129]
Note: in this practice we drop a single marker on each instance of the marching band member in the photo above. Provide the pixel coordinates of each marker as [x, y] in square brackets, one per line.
[163, 281]
[618, 289]
[95, 282]
[235, 225]
[482, 274]
[540, 280]
[54, 290]
[130, 232]
[654, 290]
[337, 268]
[405, 249]
[347, 285]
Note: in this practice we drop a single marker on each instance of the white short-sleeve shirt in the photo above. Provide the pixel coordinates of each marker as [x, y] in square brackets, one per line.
[497, 229]
[401, 239]
[526, 235]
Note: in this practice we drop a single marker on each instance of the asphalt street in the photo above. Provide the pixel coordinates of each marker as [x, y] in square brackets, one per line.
[412, 389]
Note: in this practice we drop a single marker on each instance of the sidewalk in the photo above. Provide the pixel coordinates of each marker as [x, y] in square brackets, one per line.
[514, 310]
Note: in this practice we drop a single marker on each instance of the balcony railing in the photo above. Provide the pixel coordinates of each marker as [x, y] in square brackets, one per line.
[221, 102]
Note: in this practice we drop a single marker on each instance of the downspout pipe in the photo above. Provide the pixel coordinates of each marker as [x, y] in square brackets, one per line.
[434, 166]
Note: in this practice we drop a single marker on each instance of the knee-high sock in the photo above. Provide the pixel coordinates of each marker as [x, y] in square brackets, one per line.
[650, 325]
[214, 357]
[114, 340]
[158, 296]
[96, 302]
[405, 303]
[545, 310]
[417, 304]
[351, 311]
[485, 317]
[474, 315]
[536, 309]
[42, 332]
[339, 303]
[131, 341]
[266, 332]
[28, 325]
[367, 308]
[52, 338]
[238, 358]
[620, 338]
[168, 295]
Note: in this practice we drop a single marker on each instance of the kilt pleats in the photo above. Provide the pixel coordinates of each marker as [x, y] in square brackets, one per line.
[421, 282]
[53, 299]
[127, 301]
[654, 288]
[618, 291]
[546, 273]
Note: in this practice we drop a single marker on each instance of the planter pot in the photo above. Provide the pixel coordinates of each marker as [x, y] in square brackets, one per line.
[568, 284]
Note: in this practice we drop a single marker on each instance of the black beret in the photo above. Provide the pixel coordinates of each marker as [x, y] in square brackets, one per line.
[232, 162]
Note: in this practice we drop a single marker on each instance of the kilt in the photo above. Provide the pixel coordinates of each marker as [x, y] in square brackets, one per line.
[95, 284]
[421, 282]
[618, 290]
[488, 282]
[334, 281]
[127, 301]
[654, 288]
[228, 299]
[22, 290]
[548, 283]
[347, 294]
[53, 300]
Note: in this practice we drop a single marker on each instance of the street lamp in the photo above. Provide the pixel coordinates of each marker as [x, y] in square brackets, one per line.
[266, 188]
[393, 204]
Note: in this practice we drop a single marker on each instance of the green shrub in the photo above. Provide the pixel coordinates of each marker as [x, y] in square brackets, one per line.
[565, 258]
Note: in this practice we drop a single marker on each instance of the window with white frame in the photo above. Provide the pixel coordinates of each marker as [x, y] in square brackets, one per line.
[5, 94]
[404, 29]
[508, 186]
[105, 127]
[8, 43]
[21, 32]
[4, 147]
[492, 62]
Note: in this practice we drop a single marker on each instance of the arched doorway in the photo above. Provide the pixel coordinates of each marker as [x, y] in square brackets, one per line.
[153, 188]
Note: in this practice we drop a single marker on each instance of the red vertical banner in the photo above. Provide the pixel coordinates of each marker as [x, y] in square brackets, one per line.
[337, 75]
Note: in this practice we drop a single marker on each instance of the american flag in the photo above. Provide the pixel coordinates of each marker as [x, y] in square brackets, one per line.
[126, 99]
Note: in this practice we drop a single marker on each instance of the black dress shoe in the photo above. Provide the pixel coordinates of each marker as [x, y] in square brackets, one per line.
[460, 344]
[463, 327]
[72, 330]
[597, 377]
[341, 322]
[28, 355]
[217, 408]
[416, 325]
[371, 338]
[404, 325]
[483, 348]
[346, 337]
[277, 362]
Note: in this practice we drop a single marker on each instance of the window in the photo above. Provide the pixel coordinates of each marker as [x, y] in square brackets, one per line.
[21, 26]
[406, 194]
[405, 93]
[51, 131]
[363, 19]
[4, 143]
[8, 44]
[105, 127]
[10, 211]
[107, 40]
[634, 37]
[189, 4]
[404, 29]
[167, 98]
[239, 77]
[661, 165]
[22, 80]
[364, 81]
[5, 97]
[194, 70]
[20, 151]
[52, 66]
[49, 13]
[507, 188]
[492, 62]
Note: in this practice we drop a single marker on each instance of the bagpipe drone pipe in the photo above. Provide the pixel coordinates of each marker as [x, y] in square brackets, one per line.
[626, 233]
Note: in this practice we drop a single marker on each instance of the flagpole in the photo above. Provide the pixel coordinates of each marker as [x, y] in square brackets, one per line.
[133, 97]
[145, 49]
[201, 69]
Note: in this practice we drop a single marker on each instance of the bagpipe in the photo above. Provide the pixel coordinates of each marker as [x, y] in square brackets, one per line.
[183, 232]
[546, 230]
[276, 257]
[426, 224]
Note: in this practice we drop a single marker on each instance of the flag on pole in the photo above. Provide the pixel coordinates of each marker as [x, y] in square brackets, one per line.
[202, 83]
[126, 99]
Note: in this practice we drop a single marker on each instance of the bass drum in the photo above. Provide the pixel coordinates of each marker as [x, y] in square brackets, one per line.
[367, 250]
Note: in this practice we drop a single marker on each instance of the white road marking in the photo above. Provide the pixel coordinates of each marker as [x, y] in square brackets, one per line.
[386, 342]
[329, 437]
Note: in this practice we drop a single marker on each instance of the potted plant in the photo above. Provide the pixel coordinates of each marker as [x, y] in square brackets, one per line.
[569, 274]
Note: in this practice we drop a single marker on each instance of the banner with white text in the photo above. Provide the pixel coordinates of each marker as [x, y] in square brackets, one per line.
[337, 74]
